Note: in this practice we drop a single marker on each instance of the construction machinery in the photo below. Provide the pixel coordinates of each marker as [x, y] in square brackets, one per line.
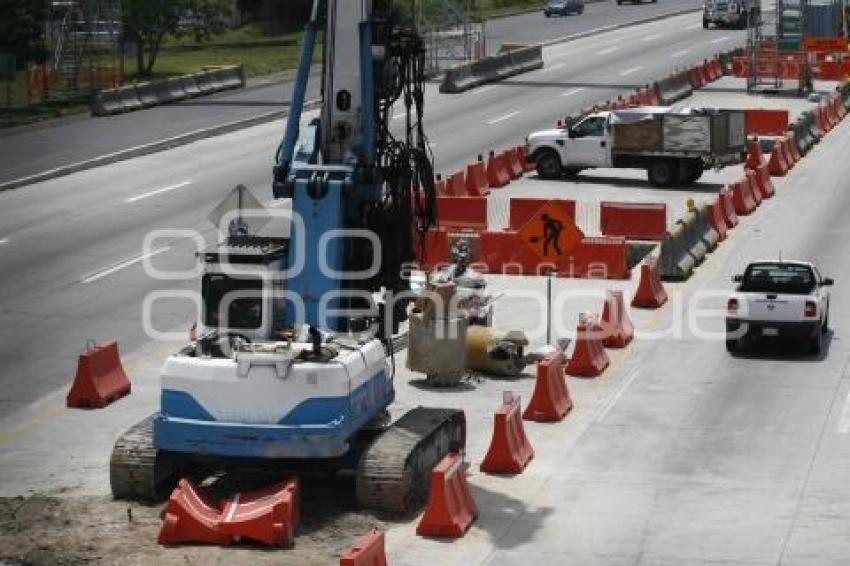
[293, 362]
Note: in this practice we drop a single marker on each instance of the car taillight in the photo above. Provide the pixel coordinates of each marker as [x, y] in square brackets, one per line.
[811, 309]
[732, 306]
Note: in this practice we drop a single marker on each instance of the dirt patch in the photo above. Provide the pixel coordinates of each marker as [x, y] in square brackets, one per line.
[70, 531]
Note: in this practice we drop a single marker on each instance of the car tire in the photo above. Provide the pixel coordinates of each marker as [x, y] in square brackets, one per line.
[548, 164]
[825, 328]
[663, 173]
[732, 346]
[704, 24]
[816, 342]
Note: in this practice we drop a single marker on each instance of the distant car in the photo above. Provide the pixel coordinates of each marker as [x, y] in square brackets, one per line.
[774, 299]
[563, 7]
[728, 13]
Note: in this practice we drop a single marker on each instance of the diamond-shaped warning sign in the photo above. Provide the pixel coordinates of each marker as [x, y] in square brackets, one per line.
[550, 233]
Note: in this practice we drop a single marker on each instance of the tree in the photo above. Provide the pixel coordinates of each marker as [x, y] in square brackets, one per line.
[22, 29]
[147, 22]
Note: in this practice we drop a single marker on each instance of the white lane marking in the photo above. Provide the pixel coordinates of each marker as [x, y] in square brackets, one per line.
[158, 191]
[552, 68]
[609, 404]
[694, 26]
[109, 270]
[502, 118]
[653, 37]
[4, 241]
[608, 50]
[630, 71]
[233, 505]
[720, 39]
[681, 53]
[844, 419]
[573, 91]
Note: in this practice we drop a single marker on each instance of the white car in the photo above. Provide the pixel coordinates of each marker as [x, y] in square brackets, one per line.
[778, 299]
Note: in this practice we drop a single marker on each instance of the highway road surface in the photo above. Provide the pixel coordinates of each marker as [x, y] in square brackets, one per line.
[72, 247]
[31, 150]
[680, 455]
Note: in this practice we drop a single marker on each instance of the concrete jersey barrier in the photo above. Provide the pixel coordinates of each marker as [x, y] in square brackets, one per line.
[127, 98]
[466, 76]
[674, 88]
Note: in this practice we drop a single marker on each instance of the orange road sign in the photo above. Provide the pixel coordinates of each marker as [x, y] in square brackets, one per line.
[826, 44]
[550, 233]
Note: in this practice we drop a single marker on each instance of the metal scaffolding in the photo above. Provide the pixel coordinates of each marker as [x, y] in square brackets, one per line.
[775, 38]
[451, 37]
[84, 40]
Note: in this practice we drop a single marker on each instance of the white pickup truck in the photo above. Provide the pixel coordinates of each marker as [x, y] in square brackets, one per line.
[778, 299]
[673, 147]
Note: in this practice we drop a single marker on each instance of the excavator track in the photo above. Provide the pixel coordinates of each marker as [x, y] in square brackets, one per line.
[394, 472]
[137, 470]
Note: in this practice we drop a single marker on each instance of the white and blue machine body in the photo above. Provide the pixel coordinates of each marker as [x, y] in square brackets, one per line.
[269, 398]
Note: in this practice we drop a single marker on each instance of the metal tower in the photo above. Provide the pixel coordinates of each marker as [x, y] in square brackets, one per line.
[84, 39]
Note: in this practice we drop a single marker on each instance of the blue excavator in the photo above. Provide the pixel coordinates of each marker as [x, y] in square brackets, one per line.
[293, 363]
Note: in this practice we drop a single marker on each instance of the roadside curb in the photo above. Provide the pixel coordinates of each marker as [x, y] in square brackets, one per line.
[154, 147]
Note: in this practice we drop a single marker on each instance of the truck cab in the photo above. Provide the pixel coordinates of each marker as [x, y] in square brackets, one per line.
[587, 143]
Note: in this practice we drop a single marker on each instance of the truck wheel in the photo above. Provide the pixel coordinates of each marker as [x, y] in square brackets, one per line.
[732, 346]
[689, 172]
[663, 173]
[549, 164]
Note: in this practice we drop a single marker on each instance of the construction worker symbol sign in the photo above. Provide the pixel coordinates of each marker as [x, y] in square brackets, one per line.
[551, 233]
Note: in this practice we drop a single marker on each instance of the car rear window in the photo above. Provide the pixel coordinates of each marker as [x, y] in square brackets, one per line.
[778, 278]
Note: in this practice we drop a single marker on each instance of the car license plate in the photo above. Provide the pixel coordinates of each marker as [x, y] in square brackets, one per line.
[770, 332]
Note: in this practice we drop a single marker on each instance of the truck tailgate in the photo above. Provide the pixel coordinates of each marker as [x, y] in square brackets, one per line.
[773, 307]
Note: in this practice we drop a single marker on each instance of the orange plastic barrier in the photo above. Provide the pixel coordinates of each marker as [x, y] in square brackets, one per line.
[755, 156]
[100, 377]
[707, 72]
[589, 357]
[729, 207]
[786, 143]
[718, 68]
[716, 218]
[777, 165]
[462, 212]
[763, 183]
[456, 185]
[191, 517]
[503, 252]
[435, 248]
[522, 156]
[742, 198]
[497, 172]
[523, 209]
[650, 293]
[515, 169]
[368, 551]
[752, 185]
[476, 179]
[617, 328]
[639, 221]
[832, 112]
[451, 509]
[740, 67]
[794, 149]
[550, 400]
[510, 451]
[599, 258]
[695, 78]
[764, 122]
[268, 515]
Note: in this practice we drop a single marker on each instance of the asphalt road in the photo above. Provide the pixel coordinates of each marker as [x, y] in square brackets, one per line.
[31, 150]
[71, 248]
